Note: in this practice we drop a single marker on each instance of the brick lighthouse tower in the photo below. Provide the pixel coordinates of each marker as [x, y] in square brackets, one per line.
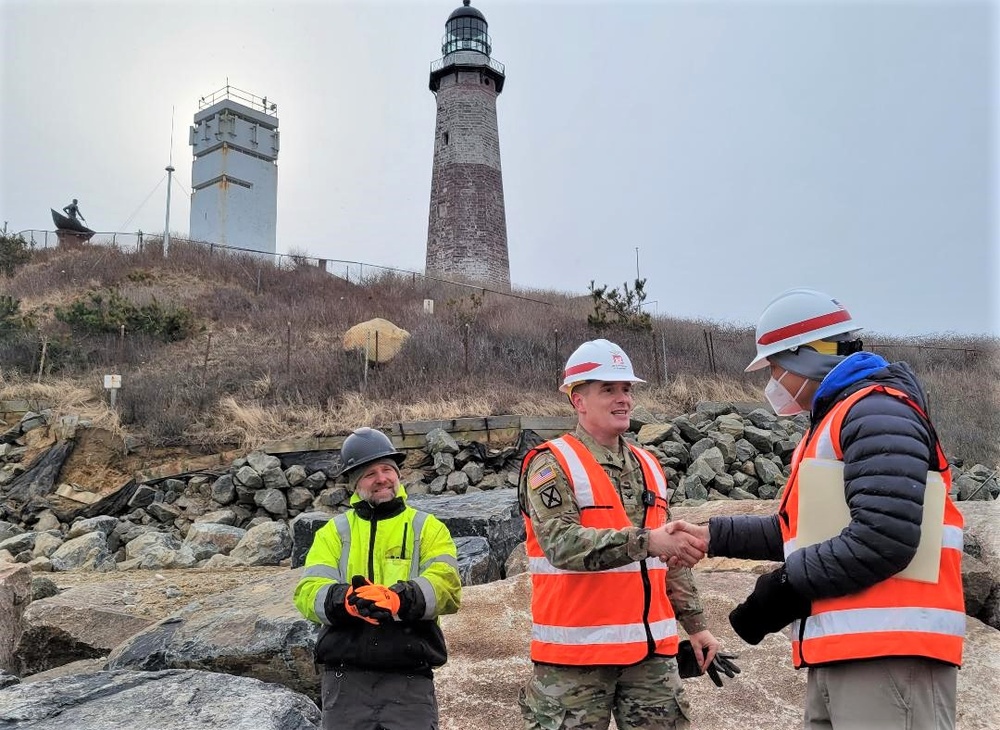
[467, 227]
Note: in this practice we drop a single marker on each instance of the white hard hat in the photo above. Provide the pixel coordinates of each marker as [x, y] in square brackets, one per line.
[797, 317]
[598, 360]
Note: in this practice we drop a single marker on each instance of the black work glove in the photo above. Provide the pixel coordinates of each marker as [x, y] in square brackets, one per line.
[365, 608]
[334, 603]
[412, 604]
[687, 664]
[773, 605]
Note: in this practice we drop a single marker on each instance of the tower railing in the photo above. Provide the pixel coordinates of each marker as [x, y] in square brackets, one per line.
[452, 60]
[244, 97]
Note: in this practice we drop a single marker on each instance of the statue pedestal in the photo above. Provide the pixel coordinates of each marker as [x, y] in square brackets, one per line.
[69, 239]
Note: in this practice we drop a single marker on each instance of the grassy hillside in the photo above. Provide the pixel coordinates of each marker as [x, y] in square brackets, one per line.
[223, 348]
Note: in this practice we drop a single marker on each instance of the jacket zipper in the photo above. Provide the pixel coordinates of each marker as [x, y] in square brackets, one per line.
[371, 549]
[402, 552]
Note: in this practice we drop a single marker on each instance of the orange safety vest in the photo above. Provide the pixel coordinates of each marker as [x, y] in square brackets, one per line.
[618, 616]
[897, 617]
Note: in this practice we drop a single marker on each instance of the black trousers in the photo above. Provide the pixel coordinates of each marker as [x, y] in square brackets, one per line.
[357, 699]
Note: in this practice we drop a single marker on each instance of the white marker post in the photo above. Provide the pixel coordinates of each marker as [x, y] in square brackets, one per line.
[112, 383]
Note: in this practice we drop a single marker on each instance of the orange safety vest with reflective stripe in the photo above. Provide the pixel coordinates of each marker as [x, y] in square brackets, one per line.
[618, 616]
[897, 617]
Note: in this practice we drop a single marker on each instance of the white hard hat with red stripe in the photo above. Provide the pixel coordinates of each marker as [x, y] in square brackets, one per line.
[598, 360]
[797, 317]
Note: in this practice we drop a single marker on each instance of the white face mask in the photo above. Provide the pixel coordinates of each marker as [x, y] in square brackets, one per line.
[783, 402]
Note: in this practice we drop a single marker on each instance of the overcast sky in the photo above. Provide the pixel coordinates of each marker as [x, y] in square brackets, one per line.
[744, 147]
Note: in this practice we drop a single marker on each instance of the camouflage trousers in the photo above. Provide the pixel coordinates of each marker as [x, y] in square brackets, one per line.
[648, 695]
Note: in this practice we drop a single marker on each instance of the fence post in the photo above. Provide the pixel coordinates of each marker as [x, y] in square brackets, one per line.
[466, 346]
[41, 363]
[656, 358]
[208, 349]
[288, 351]
[558, 368]
[663, 345]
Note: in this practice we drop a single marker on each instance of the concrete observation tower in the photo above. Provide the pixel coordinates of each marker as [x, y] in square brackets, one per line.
[234, 178]
[467, 226]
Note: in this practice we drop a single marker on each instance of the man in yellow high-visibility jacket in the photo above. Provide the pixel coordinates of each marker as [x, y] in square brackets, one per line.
[376, 578]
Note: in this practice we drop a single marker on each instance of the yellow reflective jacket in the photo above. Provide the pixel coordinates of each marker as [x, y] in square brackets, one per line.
[388, 543]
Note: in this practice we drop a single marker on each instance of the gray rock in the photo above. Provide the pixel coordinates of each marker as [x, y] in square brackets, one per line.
[724, 483]
[218, 517]
[223, 490]
[969, 488]
[438, 485]
[737, 493]
[254, 630]
[87, 552]
[8, 680]
[158, 557]
[474, 471]
[730, 425]
[331, 497]
[216, 537]
[517, 561]
[977, 583]
[299, 498]
[491, 514]
[725, 444]
[40, 564]
[19, 543]
[265, 544]
[688, 430]
[653, 434]
[303, 530]
[71, 626]
[47, 520]
[712, 410]
[163, 512]
[247, 477]
[15, 596]
[104, 523]
[46, 543]
[675, 450]
[700, 471]
[149, 540]
[692, 487]
[316, 481]
[745, 451]
[444, 463]
[175, 699]
[762, 418]
[295, 475]
[714, 459]
[759, 439]
[273, 500]
[458, 482]
[701, 446]
[42, 587]
[440, 441]
[767, 491]
[261, 462]
[476, 562]
[766, 471]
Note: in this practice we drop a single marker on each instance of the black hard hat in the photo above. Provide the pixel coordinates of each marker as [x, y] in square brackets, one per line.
[364, 446]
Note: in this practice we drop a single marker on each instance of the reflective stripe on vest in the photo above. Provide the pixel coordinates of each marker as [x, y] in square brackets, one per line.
[573, 622]
[896, 617]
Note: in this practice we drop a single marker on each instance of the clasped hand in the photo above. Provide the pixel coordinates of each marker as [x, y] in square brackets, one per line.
[371, 602]
[679, 543]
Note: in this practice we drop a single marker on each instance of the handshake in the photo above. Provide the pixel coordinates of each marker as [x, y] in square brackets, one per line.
[679, 543]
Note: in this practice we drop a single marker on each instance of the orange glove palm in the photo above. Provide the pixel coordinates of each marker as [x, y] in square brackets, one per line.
[350, 599]
[381, 597]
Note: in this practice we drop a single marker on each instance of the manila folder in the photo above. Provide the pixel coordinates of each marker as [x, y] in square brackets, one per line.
[823, 514]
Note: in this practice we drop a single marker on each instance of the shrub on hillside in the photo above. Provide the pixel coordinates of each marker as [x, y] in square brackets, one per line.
[14, 251]
[107, 311]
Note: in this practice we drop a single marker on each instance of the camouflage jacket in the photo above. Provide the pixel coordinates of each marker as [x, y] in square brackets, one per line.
[555, 518]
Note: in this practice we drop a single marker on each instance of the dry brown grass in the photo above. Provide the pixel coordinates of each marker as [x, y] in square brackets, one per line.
[261, 382]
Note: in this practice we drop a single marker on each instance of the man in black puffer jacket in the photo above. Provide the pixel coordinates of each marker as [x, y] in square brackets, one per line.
[883, 646]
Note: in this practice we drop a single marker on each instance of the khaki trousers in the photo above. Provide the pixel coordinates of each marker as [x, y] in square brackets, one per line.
[894, 693]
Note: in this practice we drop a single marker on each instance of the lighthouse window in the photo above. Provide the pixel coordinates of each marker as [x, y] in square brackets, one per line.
[446, 138]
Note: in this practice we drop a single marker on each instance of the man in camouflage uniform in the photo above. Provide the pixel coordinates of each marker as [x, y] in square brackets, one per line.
[647, 694]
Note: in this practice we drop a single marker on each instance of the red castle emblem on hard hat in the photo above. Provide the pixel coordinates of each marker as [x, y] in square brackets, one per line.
[617, 360]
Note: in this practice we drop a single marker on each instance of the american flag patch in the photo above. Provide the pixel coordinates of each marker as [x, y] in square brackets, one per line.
[541, 477]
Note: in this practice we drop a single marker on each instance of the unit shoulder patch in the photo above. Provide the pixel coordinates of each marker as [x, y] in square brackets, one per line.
[551, 497]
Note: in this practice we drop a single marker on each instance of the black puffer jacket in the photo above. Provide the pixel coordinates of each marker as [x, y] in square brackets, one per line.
[887, 447]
